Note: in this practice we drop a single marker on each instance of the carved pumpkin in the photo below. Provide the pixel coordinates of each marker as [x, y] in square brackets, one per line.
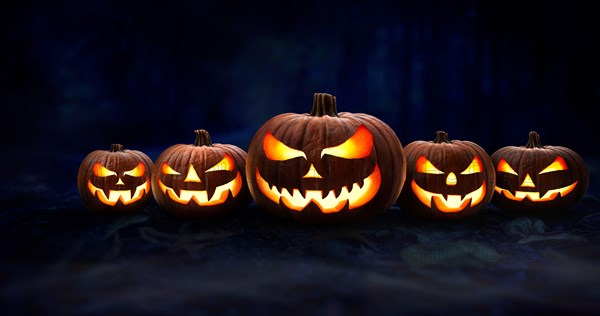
[446, 179]
[538, 178]
[200, 180]
[115, 180]
[325, 166]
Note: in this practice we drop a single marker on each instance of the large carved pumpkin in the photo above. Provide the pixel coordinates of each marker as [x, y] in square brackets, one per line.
[325, 166]
[538, 178]
[115, 180]
[446, 179]
[200, 180]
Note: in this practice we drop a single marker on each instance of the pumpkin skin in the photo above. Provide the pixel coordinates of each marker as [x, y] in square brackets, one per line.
[536, 178]
[200, 180]
[446, 179]
[325, 167]
[115, 180]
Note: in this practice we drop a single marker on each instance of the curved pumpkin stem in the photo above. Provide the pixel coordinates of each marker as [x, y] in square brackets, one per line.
[534, 140]
[441, 137]
[202, 138]
[116, 147]
[323, 104]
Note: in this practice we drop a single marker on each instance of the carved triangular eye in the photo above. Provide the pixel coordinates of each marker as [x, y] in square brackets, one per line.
[425, 166]
[357, 146]
[276, 150]
[557, 165]
[138, 171]
[101, 171]
[503, 166]
[226, 164]
[474, 166]
[168, 170]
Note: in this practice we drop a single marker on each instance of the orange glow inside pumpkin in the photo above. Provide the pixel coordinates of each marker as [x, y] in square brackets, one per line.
[557, 165]
[358, 146]
[355, 196]
[278, 151]
[114, 196]
[449, 203]
[201, 198]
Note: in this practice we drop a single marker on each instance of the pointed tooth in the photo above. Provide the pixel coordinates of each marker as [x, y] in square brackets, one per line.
[344, 193]
[337, 191]
[361, 182]
[210, 192]
[331, 195]
[274, 189]
[297, 194]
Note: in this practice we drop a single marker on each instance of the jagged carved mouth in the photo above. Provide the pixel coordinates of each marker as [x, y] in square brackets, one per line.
[451, 203]
[535, 196]
[120, 195]
[201, 196]
[355, 197]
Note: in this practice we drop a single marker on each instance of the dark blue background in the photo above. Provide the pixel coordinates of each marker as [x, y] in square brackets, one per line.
[144, 74]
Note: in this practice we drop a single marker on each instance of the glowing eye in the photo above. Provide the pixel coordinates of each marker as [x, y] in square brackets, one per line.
[474, 167]
[425, 166]
[504, 167]
[557, 165]
[168, 170]
[357, 146]
[225, 164]
[138, 171]
[276, 150]
[100, 171]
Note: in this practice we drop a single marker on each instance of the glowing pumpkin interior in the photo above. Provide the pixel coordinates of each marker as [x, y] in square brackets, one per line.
[200, 197]
[448, 203]
[530, 193]
[358, 146]
[123, 195]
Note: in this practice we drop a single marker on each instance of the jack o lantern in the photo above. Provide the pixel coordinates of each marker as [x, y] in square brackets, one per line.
[446, 179]
[538, 178]
[325, 166]
[200, 180]
[115, 180]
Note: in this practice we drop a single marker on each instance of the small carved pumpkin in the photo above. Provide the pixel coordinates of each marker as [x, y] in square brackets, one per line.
[325, 166]
[538, 178]
[446, 179]
[115, 180]
[200, 180]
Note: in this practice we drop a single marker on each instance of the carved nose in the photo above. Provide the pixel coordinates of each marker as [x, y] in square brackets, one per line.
[120, 182]
[528, 182]
[312, 173]
[451, 179]
[192, 175]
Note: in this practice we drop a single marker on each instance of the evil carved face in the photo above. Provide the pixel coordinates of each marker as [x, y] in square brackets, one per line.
[119, 184]
[517, 186]
[458, 183]
[203, 183]
[331, 177]
[538, 178]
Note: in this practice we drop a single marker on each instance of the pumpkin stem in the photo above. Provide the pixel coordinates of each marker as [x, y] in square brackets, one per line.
[202, 138]
[116, 147]
[534, 140]
[441, 137]
[323, 104]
